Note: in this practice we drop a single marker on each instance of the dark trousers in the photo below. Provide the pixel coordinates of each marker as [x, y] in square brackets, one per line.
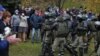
[28, 32]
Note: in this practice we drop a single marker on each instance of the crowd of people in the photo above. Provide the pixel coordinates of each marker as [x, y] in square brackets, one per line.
[54, 27]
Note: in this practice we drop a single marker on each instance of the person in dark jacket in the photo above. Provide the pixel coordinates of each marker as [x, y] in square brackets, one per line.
[29, 24]
[36, 25]
[4, 44]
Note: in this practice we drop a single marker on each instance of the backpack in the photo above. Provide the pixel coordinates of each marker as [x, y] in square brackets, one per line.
[62, 29]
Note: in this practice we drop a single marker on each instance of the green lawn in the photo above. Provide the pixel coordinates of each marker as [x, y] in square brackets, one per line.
[25, 49]
[29, 49]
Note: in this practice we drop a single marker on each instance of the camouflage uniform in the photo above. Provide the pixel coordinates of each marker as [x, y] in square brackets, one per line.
[60, 40]
[49, 29]
[80, 39]
[98, 43]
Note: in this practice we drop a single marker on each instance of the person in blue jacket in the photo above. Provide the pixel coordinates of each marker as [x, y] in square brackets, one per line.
[36, 20]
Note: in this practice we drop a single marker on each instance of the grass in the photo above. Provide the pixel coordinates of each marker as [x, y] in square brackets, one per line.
[25, 49]
[29, 49]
